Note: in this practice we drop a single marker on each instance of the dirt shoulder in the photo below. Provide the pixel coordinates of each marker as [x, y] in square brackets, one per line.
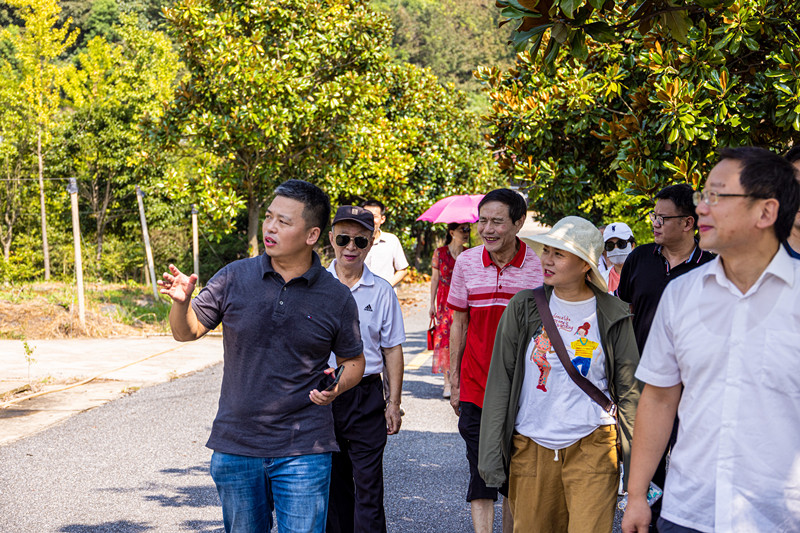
[49, 310]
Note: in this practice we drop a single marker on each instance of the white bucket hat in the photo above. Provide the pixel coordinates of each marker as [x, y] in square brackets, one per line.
[577, 236]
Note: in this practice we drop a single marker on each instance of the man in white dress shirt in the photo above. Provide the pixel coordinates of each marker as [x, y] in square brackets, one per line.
[361, 417]
[386, 257]
[727, 333]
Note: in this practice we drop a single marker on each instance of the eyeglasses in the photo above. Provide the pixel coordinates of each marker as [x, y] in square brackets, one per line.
[712, 197]
[464, 229]
[344, 240]
[619, 244]
[658, 220]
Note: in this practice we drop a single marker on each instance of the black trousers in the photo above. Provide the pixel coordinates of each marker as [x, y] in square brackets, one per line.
[355, 503]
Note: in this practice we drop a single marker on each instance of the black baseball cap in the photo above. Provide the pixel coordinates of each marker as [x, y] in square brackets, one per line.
[356, 214]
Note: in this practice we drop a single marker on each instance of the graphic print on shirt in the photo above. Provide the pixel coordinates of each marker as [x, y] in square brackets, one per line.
[584, 349]
[581, 350]
[542, 345]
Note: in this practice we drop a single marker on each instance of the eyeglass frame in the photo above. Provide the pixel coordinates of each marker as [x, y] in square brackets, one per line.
[349, 238]
[464, 229]
[705, 197]
[619, 244]
[658, 220]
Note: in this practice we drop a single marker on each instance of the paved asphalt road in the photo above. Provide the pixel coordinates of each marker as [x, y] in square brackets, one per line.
[139, 464]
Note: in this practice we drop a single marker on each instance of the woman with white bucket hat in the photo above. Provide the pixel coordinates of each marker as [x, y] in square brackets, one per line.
[549, 429]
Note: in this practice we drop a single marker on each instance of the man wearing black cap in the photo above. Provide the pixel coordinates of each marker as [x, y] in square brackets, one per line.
[362, 418]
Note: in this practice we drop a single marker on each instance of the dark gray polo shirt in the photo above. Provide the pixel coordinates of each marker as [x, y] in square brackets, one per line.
[277, 337]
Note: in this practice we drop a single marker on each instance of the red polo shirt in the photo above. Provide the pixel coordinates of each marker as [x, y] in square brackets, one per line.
[483, 290]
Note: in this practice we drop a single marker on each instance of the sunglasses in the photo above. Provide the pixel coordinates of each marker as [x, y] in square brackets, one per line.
[619, 244]
[344, 240]
[464, 229]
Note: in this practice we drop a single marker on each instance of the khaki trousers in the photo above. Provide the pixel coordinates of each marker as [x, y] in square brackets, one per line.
[573, 490]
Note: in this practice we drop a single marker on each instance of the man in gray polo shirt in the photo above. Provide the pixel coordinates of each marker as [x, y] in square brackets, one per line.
[282, 316]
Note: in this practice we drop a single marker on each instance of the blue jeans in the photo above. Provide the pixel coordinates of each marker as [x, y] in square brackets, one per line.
[250, 487]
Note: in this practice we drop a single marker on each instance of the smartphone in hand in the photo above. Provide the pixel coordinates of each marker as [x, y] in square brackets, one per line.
[329, 381]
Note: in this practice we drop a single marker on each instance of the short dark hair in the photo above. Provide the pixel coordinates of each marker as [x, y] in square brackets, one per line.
[768, 175]
[450, 227]
[375, 203]
[316, 204]
[681, 195]
[793, 154]
[514, 201]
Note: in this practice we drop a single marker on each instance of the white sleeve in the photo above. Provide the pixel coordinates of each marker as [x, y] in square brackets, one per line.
[399, 257]
[658, 365]
[393, 331]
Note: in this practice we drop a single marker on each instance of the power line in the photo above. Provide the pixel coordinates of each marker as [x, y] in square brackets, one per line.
[34, 179]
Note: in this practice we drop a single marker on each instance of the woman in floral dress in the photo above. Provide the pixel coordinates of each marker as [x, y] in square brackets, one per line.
[442, 264]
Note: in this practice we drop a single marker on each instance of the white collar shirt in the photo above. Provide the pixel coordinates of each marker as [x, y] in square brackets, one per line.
[736, 464]
[379, 315]
[386, 256]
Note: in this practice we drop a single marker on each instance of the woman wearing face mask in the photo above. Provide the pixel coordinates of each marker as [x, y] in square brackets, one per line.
[615, 235]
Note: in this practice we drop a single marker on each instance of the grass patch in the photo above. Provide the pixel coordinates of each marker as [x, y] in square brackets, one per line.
[49, 310]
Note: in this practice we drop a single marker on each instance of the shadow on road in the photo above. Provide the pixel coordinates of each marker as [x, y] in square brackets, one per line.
[426, 474]
[191, 496]
[120, 525]
[196, 470]
[202, 526]
[424, 390]
[416, 342]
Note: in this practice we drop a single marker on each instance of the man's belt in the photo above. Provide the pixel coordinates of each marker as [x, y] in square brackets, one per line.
[372, 378]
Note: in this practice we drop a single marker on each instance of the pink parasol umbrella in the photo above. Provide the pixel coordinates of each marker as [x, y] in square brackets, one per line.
[459, 208]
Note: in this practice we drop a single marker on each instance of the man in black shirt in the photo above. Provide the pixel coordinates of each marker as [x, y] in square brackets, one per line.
[283, 314]
[650, 267]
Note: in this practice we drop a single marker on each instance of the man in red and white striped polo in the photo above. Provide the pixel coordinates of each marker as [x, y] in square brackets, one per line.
[484, 280]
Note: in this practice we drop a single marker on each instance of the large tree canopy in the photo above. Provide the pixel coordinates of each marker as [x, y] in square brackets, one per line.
[649, 108]
[304, 89]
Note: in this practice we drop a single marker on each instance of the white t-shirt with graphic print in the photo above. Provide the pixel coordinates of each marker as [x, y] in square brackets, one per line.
[553, 411]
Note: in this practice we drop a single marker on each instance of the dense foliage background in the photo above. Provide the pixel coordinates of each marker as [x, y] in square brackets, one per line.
[591, 106]
[610, 101]
[212, 104]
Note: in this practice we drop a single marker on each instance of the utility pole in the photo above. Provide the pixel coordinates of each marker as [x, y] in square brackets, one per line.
[72, 189]
[195, 243]
[148, 251]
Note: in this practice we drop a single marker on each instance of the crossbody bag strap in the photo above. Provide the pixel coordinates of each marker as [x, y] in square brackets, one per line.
[558, 345]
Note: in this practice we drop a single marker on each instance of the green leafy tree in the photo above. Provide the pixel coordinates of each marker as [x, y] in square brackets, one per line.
[440, 152]
[15, 157]
[451, 37]
[277, 94]
[272, 88]
[111, 90]
[650, 108]
[37, 48]
[103, 16]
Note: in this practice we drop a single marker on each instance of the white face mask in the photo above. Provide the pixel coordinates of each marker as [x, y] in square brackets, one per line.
[617, 256]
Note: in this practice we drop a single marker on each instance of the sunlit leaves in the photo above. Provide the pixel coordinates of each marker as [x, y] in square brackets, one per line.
[649, 108]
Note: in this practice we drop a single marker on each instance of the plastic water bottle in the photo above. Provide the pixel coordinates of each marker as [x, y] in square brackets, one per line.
[653, 494]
